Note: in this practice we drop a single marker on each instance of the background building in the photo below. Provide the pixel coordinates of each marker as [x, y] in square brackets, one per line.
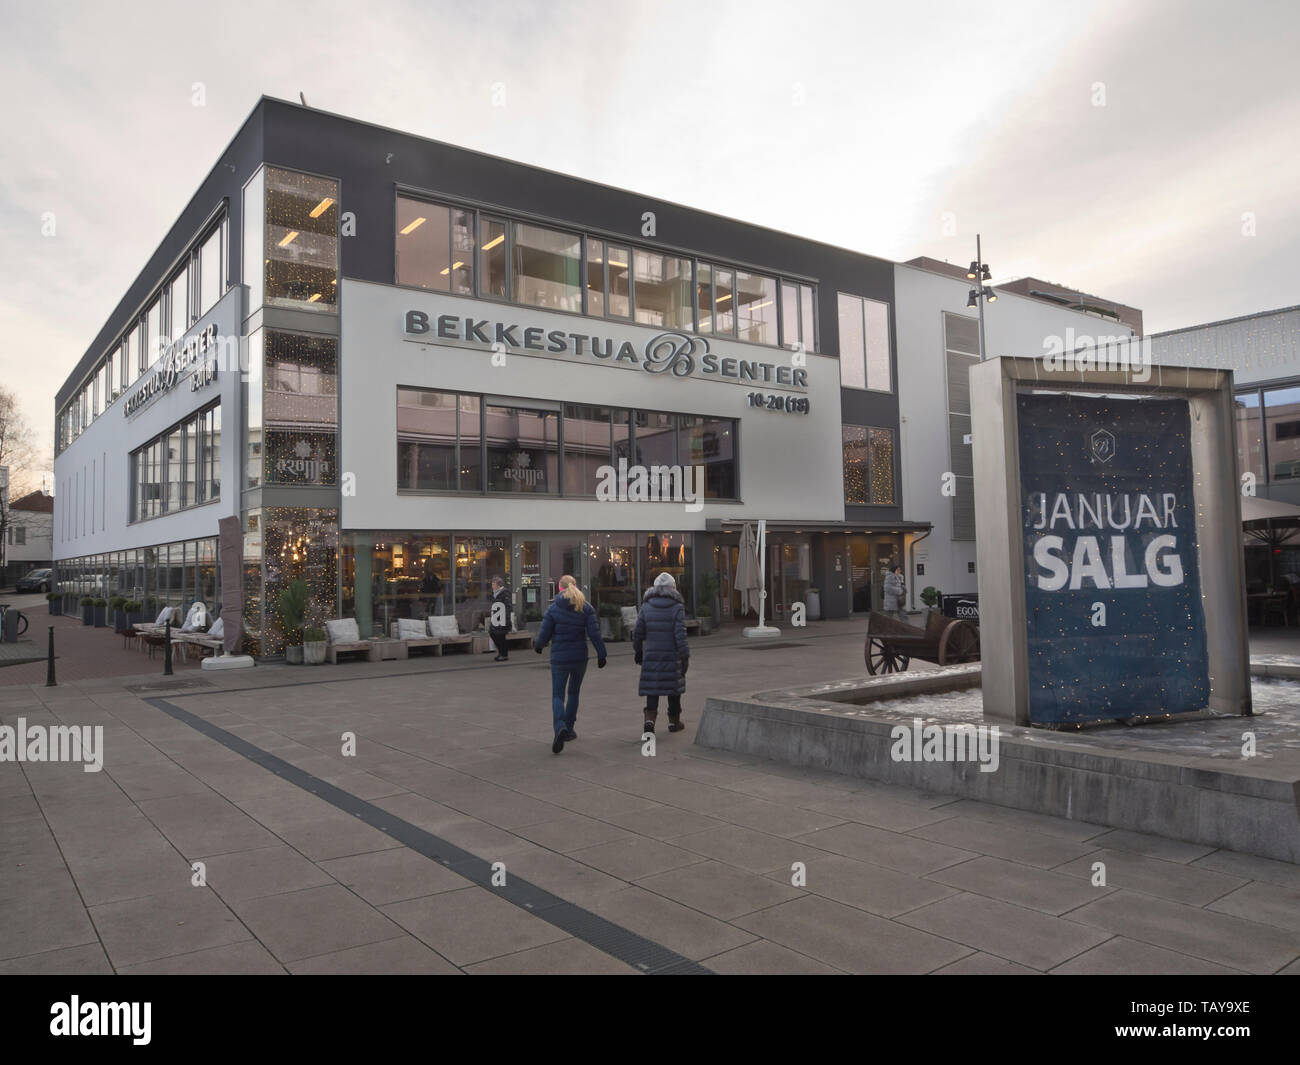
[938, 342]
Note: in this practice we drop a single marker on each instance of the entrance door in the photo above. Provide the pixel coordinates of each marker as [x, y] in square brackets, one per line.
[540, 562]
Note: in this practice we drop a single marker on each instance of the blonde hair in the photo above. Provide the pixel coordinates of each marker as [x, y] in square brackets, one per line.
[570, 590]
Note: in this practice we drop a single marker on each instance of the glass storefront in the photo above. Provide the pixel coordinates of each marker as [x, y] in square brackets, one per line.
[167, 575]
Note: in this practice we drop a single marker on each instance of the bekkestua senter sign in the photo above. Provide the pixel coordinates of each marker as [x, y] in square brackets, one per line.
[667, 354]
[192, 353]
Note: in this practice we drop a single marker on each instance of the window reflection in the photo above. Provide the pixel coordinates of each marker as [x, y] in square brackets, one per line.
[301, 241]
[545, 268]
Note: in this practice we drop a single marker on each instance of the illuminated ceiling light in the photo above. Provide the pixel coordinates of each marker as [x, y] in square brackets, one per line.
[457, 266]
[765, 303]
[444, 271]
[314, 297]
[491, 243]
[615, 262]
[721, 298]
[322, 207]
[289, 238]
[414, 226]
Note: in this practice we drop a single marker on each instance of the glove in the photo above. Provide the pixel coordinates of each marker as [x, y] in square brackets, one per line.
[537, 649]
[686, 662]
[637, 659]
[600, 663]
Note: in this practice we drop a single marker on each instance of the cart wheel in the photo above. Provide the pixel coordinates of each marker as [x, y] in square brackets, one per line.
[959, 643]
[882, 660]
[875, 656]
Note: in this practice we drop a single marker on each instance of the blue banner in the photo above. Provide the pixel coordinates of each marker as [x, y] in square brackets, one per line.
[1115, 621]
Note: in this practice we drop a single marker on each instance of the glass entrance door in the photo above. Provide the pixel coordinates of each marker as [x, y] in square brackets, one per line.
[540, 562]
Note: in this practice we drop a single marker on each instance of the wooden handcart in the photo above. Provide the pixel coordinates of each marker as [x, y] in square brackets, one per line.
[892, 644]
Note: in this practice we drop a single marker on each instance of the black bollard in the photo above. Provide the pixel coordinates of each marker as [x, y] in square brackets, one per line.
[167, 648]
[49, 664]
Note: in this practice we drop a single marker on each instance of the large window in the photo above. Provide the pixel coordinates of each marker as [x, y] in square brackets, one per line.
[1281, 410]
[178, 469]
[435, 247]
[441, 435]
[459, 250]
[427, 436]
[864, 343]
[545, 268]
[212, 275]
[300, 409]
[868, 465]
[302, 241]
[522, 449]
[662, 290]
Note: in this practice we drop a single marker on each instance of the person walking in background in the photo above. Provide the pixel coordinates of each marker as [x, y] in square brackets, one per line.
[504, 612]
[894, 589]
[570, 622]
[659, 641]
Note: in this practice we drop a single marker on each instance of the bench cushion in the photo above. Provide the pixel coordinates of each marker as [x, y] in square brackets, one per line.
[343, 630]
[443, 625]
[410, 629]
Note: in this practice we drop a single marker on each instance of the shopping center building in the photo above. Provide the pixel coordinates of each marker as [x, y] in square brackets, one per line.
[407, 367]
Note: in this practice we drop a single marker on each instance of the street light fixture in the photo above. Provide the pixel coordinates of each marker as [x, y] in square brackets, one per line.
[982, 293]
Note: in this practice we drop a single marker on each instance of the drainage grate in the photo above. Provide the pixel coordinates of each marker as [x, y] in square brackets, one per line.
[618, 942]
[759, 645]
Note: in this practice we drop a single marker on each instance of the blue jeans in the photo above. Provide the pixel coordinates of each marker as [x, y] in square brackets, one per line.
[565, 714]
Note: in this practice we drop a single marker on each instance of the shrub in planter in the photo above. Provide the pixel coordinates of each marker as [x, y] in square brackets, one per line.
[314, 645]
[931, 596]
[115, 612]
[101, 613]
[293, 607]
[56, 604]
[87, 610]
[133, 610]
[705, 617]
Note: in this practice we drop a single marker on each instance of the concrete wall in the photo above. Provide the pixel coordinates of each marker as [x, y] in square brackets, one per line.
[1014, 325]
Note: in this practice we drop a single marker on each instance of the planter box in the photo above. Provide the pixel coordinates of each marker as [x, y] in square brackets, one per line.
[56, 608]
[88, 615]
[313, 653]
[135, 617]
[706, 625]
[293, 655]
[101, 616]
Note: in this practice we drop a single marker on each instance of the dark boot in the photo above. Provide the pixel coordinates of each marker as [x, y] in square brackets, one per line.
[651, 716]
[675, 723]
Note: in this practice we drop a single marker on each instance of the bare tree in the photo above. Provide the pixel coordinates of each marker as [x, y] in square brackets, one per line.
[18, 452]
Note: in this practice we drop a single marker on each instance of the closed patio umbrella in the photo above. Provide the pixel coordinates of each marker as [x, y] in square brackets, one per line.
[747, 579]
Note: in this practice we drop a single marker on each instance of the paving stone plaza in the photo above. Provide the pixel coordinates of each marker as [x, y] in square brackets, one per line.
[454, 841]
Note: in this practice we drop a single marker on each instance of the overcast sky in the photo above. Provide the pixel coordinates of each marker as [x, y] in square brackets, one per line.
[1112, 147]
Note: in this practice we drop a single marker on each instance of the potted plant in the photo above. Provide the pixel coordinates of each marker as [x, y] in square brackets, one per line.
[133, 610]
[118, 614]
[931, 597]
[705, 616]
[101, 612]
[314, 646]
[610, 621]
[56, 604]
[87, 610]
[293, 607]
[708, 594]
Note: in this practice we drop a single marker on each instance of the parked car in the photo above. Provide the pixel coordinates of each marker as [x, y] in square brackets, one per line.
[37, 580]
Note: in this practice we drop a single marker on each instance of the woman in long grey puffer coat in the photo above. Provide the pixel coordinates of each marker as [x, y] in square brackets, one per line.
[659, 641]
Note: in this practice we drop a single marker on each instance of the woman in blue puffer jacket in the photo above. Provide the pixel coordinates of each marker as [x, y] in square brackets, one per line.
[659, 641]
[570, 622]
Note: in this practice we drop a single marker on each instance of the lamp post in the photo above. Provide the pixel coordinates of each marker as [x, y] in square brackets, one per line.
[979, 273]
